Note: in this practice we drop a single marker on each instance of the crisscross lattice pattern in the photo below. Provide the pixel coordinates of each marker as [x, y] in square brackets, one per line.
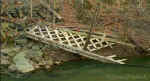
[73, 41]
[70, 38]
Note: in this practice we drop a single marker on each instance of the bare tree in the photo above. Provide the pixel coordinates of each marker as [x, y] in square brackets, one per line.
[93, 14]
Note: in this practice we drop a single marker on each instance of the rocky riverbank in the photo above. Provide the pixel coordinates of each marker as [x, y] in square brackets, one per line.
[36, 56]
[33, 56]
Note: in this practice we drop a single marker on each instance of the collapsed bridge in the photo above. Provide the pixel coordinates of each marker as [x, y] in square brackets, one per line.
[74, 41]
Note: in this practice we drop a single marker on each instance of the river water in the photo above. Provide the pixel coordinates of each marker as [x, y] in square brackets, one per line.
[138, 69]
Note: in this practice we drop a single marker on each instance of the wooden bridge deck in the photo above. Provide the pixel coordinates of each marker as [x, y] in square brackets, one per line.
[74, 41]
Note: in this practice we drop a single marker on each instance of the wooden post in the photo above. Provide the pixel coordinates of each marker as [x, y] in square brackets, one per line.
[47, 13]
[53, 22]
[82, 2]
[31, 8]
[62, 5]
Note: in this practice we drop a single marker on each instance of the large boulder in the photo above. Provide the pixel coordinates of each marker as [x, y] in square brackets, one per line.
[22, 64]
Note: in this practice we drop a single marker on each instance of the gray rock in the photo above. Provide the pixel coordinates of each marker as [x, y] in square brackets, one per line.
[11, 51]
[12, 67]
[22, 64]
[4, 60]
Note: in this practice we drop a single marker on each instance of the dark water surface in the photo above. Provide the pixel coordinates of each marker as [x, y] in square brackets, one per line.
[88, 70]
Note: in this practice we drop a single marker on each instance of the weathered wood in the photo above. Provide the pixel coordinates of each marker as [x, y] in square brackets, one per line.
[99, 35]
[107, 59]
[73, 41]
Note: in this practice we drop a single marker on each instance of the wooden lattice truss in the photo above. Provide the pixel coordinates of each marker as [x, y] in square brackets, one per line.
[74, 41]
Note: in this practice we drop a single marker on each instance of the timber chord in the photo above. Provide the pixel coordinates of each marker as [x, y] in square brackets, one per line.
[74, 41]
